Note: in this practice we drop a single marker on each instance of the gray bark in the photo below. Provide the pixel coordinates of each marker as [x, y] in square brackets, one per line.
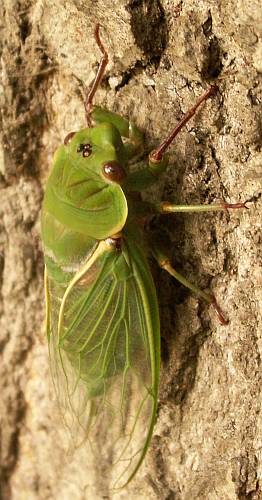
[163, 54]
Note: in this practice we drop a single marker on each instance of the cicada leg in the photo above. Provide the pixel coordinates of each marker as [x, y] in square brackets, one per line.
[158, 160]
[166, 207]
[100, 115]
[163, 260]
[164, 263]
[146, 208]
[157, 155]
[98, 77]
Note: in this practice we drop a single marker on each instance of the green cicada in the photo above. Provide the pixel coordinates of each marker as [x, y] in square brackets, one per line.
[102, 313]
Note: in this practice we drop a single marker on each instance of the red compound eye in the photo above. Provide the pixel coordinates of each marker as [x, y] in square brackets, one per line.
[68, 138]
[113, 171]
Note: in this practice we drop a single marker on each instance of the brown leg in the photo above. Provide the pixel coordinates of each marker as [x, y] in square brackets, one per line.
[98, 77]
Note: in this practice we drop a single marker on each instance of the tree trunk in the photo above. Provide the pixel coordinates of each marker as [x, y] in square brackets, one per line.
[162, 56]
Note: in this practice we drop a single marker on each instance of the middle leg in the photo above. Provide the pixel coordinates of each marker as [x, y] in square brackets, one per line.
[164, 262]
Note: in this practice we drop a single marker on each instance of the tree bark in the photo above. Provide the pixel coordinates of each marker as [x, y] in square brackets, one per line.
[163, 55]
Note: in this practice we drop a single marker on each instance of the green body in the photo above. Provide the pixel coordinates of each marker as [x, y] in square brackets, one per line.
[102, 313]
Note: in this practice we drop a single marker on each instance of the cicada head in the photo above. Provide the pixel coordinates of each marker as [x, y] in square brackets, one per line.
[84, 189]
[100, 150]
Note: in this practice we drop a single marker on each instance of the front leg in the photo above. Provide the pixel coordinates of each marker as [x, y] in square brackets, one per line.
[157, 161]
[96, 114]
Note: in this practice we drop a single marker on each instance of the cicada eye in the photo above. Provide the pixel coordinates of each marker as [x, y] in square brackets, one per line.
[85, 149]
[113, 171]
[68, 138]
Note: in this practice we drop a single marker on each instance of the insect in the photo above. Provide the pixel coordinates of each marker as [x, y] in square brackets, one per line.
[102, 314]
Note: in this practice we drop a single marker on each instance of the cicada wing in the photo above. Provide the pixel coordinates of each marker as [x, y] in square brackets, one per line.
[105, 360]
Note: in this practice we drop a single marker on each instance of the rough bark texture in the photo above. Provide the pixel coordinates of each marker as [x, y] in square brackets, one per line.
[207, 440]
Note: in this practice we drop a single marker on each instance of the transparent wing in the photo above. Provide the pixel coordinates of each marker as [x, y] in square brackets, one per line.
[105, 359]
